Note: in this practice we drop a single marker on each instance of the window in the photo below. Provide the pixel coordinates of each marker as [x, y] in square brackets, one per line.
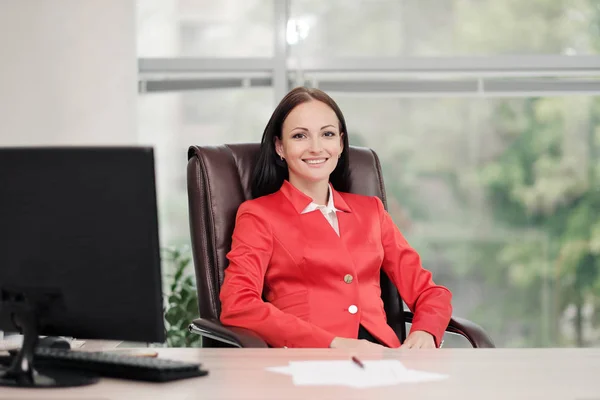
[205, 28]
[389, 28]
[485, 115]
[171, 122]
[498, 196]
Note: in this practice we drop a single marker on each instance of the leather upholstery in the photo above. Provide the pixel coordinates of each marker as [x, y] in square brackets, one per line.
[218, 180]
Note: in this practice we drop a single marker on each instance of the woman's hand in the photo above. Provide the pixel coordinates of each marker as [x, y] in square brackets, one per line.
[345, 343]
[419, 340]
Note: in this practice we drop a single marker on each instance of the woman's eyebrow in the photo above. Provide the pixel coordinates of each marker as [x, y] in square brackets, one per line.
[304, 129]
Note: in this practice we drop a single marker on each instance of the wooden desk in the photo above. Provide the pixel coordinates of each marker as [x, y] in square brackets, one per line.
[474, 374]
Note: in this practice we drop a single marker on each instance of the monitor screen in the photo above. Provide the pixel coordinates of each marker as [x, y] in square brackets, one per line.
[79, 242]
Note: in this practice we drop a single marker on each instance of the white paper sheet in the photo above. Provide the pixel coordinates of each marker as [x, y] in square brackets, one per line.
[347, 373]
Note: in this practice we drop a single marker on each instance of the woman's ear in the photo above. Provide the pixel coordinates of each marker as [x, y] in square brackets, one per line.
[278, 146]
[341, 141]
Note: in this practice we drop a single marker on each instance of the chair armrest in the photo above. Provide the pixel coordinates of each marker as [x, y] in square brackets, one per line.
[468, 329]
[238, 337]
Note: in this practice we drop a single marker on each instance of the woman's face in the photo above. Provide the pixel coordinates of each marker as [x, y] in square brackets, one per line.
[311, 143]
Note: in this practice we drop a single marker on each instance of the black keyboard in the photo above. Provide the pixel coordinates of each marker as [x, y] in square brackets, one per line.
[118, 365]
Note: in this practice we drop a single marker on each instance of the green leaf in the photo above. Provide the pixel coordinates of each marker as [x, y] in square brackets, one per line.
[181, 305]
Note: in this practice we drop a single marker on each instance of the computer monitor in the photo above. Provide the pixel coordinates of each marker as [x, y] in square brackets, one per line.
[79, 248]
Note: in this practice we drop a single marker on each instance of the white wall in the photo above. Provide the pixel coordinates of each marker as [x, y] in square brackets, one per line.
[68, 72]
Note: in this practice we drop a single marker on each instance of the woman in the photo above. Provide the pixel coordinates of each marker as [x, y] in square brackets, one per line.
[313, 251]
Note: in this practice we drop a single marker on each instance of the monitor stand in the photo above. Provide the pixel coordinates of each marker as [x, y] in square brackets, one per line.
[22, 373]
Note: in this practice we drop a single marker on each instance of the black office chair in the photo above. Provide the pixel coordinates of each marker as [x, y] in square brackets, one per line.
[218, 182]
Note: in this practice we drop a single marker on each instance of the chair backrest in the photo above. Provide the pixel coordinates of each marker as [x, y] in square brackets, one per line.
[218, 179]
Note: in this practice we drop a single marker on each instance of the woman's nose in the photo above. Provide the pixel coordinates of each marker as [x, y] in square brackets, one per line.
[315, 145]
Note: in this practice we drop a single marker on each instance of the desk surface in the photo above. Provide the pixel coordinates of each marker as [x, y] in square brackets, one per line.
[474, 374]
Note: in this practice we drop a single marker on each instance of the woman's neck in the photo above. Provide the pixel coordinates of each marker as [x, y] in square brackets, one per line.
[317, 191]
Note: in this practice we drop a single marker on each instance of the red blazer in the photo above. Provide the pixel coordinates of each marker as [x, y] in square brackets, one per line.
[318, 285]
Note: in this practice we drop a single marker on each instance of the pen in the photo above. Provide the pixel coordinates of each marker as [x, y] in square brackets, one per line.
[356, 361]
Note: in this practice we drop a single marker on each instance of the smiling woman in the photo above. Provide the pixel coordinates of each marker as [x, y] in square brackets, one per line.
[311, 145]
[314, 251]
[306, 127]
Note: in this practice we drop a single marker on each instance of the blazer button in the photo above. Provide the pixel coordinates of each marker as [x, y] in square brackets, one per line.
[348, 278]
[352, 309]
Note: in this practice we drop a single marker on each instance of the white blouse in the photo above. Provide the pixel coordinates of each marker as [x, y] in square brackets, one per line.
[329, 211]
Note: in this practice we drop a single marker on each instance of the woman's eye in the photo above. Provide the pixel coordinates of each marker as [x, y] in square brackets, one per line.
[329, 134]
[298, 136]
